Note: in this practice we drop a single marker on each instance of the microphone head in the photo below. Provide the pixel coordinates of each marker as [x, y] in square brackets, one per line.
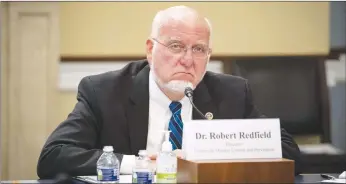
[188, 92]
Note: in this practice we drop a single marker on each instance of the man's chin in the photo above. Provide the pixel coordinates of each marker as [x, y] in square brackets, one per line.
[178, 86]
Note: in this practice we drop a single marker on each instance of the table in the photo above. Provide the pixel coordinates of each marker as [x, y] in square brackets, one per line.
[303, 178]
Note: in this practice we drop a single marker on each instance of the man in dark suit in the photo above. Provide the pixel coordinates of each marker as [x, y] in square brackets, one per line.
[129, 108]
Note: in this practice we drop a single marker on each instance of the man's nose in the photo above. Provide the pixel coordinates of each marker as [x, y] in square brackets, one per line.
[187, 58]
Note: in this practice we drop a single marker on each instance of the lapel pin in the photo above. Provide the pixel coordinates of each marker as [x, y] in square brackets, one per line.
[209, 115]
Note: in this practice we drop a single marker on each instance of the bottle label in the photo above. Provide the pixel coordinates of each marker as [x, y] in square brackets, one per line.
[107, 175]
[166, 177]
[142, 177]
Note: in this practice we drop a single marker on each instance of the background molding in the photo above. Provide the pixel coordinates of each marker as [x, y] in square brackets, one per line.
[71, 73]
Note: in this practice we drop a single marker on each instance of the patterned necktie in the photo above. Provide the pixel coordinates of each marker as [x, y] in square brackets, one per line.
[175, 125]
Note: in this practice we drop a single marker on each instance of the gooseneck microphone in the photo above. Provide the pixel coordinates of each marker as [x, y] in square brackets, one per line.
[189, 94]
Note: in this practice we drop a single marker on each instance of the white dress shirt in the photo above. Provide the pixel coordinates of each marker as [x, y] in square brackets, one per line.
[159, 116]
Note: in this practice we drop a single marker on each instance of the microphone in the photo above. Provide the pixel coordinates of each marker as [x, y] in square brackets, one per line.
[189, 94]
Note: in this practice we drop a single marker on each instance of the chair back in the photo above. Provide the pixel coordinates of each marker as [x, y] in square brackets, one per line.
[293, 89]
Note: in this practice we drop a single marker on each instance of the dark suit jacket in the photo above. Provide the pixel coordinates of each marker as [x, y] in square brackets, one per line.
[112, 109]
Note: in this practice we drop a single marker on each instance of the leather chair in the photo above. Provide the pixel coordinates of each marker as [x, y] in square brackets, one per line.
[294, 89]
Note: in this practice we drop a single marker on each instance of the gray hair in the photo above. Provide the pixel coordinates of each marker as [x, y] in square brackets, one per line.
[176, 13]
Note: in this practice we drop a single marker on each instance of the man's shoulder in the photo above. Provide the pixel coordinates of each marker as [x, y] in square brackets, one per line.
[113, 77]
[223, 80]
[226, 88]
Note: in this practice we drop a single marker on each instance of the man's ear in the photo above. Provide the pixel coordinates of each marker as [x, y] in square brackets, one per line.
[210, 52]
[149, 49]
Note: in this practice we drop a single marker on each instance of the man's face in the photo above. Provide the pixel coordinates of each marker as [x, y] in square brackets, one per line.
[181, 52]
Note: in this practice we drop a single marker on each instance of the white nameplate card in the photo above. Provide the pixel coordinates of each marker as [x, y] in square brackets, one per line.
[232, 139]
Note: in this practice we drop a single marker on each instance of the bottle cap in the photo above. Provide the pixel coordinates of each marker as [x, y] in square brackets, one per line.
[167, 145]
[108, 149]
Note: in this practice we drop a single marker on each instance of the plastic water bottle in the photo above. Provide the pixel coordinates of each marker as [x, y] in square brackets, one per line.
[142, 173]
[108, 166]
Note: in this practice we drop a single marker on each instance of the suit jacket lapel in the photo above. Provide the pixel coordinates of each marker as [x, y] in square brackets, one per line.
[137, 111]
[203, 101]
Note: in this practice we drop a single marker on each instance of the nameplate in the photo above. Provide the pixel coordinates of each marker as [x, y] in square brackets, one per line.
[232, 139]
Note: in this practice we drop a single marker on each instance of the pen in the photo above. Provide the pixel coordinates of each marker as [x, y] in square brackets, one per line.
[329, 177]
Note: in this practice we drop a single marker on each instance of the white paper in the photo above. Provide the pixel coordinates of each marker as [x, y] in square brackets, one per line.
[340, 179]
[93, 179]
[334, 181]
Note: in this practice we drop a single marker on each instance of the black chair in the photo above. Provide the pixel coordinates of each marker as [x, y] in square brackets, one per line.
[294, 89]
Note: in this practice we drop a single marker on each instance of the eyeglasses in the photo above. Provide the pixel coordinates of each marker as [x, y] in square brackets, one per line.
[176, 47]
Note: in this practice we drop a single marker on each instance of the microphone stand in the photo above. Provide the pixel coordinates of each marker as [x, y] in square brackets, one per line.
[189, 94]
